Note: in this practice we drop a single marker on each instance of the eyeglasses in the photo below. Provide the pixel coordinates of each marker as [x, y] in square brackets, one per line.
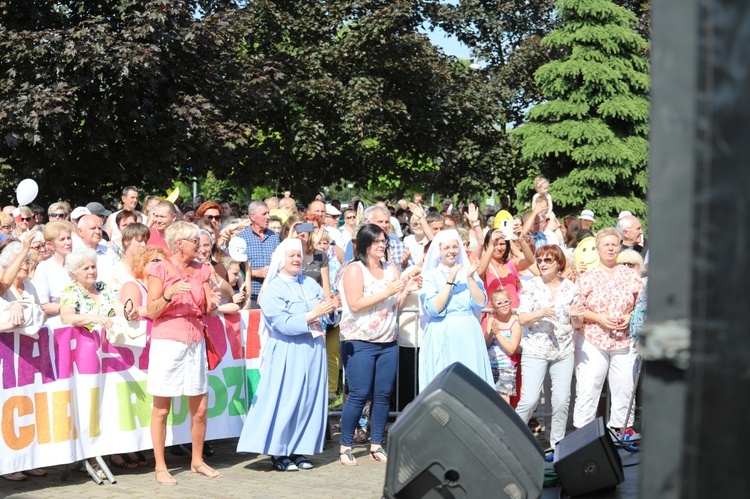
[380, 241]
[629, 264]
[36, 247]
[548, 260]
[351, 217]
[213, 217]
[57, 215]
[5, 227]
[26, 219]
[195, 240]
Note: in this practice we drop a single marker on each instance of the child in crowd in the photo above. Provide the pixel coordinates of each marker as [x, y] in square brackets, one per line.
[502, 335]
[541, 185]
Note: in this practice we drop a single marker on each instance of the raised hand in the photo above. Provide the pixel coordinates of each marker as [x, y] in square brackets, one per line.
[473, 213]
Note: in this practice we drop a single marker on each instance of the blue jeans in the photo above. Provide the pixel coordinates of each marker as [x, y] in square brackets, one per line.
[371, 371]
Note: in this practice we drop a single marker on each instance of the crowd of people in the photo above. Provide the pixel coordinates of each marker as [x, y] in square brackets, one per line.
[513, 298]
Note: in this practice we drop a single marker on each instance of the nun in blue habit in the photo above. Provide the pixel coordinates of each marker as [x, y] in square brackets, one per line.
[288, 415]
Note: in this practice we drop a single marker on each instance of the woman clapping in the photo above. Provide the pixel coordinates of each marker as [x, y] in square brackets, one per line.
[451, 296]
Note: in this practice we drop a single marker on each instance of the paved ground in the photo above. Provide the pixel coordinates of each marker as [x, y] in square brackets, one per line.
[244, 476]
[252, 476]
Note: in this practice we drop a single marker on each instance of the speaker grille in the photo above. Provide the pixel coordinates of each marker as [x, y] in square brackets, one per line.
[407, 466]
[513, 491]
[440, 415]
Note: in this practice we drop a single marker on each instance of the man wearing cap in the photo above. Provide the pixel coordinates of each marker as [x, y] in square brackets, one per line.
[331, 225]
[261, 244]
[164, 215]
[90, 232]
[632, 234]
[587, 219]
[129, 200]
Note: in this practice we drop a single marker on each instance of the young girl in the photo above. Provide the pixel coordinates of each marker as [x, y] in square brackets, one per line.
[541, 185]
[502, 335]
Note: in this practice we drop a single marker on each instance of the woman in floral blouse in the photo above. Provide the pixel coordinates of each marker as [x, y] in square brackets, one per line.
[549, 316]
[605, 349]
[87, 302]
[371, 294]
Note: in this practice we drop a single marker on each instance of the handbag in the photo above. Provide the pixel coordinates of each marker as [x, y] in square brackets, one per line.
[127, 333]
[33, 318]
[212, 354]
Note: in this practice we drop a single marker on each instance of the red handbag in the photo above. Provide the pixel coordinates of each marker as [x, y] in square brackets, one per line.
[212, 354]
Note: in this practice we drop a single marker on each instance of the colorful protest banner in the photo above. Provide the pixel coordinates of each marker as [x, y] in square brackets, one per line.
[70, 394]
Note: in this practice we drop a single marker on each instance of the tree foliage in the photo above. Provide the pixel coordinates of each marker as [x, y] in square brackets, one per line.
[589, 137]
[97, 95]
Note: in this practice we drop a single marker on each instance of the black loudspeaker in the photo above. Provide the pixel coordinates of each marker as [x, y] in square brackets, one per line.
[458, 438]
[587, 460]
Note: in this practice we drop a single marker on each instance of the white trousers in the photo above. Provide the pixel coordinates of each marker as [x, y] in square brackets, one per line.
[593, 366]
[533, 370]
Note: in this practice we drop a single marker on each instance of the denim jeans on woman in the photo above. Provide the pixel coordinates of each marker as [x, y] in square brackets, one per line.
[370, 371]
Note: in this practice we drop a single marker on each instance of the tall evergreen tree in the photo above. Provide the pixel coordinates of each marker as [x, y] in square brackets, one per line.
[589, 138]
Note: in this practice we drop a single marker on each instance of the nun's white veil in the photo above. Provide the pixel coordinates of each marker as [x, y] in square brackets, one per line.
[277, 263]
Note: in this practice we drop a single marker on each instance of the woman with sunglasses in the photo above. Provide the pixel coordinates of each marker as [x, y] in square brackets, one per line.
[549, 315]
[57, 211]
[179, 295]
[605, 349]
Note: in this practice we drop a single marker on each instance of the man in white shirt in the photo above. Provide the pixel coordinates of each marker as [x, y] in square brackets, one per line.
[90, 232]
[129, 200]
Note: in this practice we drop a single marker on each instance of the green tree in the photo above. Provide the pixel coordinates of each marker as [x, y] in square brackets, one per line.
[98, 95]
[589, 138]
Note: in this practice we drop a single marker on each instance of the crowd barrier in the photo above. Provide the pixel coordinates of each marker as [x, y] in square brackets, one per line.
[70, 394]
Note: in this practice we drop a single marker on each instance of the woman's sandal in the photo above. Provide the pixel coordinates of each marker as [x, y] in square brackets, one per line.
[283, 463]
[205, 470]
[301, 461]
[379, 455]
[141, 459]
[125, 462]
[347, 458]
[170, 480]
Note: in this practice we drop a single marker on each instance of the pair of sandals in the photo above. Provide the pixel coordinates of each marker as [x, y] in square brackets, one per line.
[295, 462]
[125, 462]
[347, 458]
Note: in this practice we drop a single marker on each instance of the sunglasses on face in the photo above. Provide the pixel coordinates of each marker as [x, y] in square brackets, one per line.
[26, 219]
[57, 215]
[629, 264]
[548, 260]
[351, 217]
[213, 217]
[36, 247]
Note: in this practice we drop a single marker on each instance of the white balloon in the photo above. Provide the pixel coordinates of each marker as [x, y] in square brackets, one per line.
[26, 191]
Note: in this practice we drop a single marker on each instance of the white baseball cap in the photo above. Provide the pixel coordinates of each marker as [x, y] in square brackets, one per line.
[331, 210]
[237, 248]
[79, 212]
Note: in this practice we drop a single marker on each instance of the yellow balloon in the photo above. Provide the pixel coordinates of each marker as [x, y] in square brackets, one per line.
[172, 196]
[586, 253]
